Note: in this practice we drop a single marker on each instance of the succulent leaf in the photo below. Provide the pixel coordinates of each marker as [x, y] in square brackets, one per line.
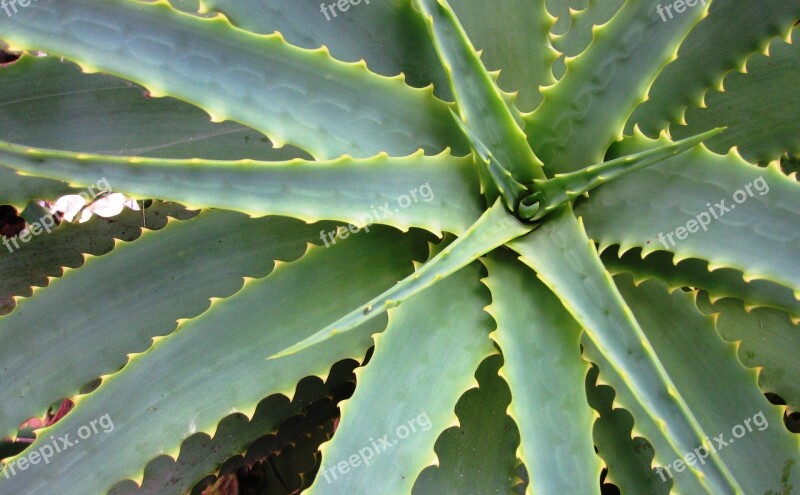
[751, 215]
[388, 34]
[603, 85]
[720, 283]
[406, 113]
[721, 42]
[581, 31]
[721, 391]
[18, 190]
[484, 432]
[759, 107]
[551, 194]
[587, 292]
[239, 440]
[32, 263]
[146, 43]
[495, 228]
[541, 346]
[480, 103]
[628, 459]
[766, 339]
[432, 192]
[48, 91]
[515, 44]
[266, 314]
[170, 283]
[562, 12]
[495, 176]
[398, 411]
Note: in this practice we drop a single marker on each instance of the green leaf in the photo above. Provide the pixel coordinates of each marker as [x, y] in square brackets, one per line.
[515, 43]
[732, 31]
[722, 282]
[581, 31]
[628, 459]
[587, 292]
[722, 393]
[237, 435]
[208, 355]
[562, 11]
[17, 190]
[541, 346]
[554, 193]
[46, 254]
[759, 108]
[398, 411]
[766, 339]
[437, 193]
[106, 115]
[111, 116]
[151, 283]
[292, 95]
[602, 86]
[492, 230]
[387, 34]
[484, 432]
[496, 180]
[758, 235]
[480, 104]
[191, 6]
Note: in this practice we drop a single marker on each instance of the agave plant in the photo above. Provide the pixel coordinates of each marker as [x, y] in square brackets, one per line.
[369, 178]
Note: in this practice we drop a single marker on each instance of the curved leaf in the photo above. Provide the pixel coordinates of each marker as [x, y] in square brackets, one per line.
[111, 116]
[266, 314]
[437, 193]
[515, 43]
[292, 95]
[758, 108]
[240, 440]
[480, 103]
[587, 292]
[766, 339]
[586, 110]
[47, 254]
[18, 190]
[751, 215]
[541, 345]
[721, 391]
[387, 34]
[732, 31]
[722, 282]
[492, 230]
[628, 459]
[398, 411]
[150, 284]
[484, 432]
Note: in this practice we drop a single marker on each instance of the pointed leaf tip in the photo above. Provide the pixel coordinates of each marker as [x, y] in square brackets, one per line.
[552, 193]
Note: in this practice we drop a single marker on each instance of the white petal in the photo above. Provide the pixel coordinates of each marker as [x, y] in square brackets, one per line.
[109, 206]
[133, 205]
[69, 206]
[85, 216]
